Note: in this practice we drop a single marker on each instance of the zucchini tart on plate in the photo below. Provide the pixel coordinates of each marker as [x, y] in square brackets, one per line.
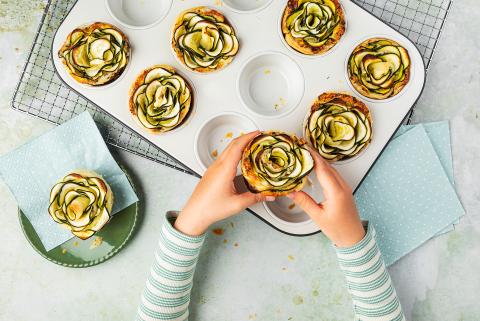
[275, 163]
[82, 202]
[160, 99]
[338, 126]
[203, 40]
[379, 68]
[95, 54]
[312, 27]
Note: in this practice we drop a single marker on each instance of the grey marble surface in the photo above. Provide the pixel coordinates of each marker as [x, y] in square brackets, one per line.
[267, 275]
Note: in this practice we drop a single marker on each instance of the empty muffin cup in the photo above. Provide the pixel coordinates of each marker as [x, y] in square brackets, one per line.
[138, 14]
[246, 6]
[217, 132]
[270, 84]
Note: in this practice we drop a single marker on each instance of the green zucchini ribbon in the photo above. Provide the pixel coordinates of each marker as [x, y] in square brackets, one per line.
[96, 55]
[378, 68]
[338, 132]
[279, 162]
[314, 22]
[81, 204]
[163, 100]
[204, 41]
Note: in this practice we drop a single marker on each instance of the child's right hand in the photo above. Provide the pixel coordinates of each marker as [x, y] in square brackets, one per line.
[337, 215]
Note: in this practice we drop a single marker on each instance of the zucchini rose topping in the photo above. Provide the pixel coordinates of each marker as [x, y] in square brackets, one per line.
[160, 99]
[275, 163]
[96, 54]
[204, 40]
[379, 68]
[82, 202]
[339, 126]
[313, 27]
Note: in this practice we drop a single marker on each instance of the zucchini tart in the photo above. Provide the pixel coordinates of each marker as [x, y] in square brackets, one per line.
[339, 126]
[379, 68]
[204, 40]
[275, 163]
[160, 99]
[82, 202]
[96, 54]
[313, 27]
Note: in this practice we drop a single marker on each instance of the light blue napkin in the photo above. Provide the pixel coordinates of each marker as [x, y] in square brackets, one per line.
[408, 195]
[31, 170]
[439, 135]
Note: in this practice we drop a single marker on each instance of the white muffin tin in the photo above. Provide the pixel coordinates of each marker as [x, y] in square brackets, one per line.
[266, 61]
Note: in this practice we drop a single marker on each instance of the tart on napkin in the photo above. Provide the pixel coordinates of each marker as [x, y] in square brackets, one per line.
[96, 54]
[82, 202]
[338, 126]
[312, 27]
[160, 99]
[379, 68]
[203, 40]
[275, 163]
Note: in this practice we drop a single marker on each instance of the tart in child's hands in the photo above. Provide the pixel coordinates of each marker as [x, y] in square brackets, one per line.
[204, 40]
[379, 68]
[313, 27]
[338, 126]
[82, 202]
[275, 163]
[160, 99]
[96, 54]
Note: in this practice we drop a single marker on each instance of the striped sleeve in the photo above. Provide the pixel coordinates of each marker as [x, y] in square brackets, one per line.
[167, 292]
[368, 281]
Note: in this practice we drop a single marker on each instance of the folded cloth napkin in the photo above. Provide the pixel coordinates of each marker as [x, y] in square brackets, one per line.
[31, 170]
[409, 195]
[439, 135]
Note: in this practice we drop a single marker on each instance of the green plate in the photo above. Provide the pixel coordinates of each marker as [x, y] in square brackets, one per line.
[77, 253]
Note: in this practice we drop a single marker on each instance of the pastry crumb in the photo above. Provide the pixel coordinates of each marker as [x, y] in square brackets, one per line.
[291, 206]
[225, 241]
[252, 316]
[75, 243]
[215, 153]
[218, 231]
[97, 241]
[229, 135]
[284, 268]
[64, 251]
[236, 244]
[281, 103]
[290, 258]
[267, 71]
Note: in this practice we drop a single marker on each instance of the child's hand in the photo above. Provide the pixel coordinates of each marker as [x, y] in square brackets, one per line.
[337, 215]
[215, 197]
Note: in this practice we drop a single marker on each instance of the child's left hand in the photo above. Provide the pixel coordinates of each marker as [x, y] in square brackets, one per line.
[215, 197]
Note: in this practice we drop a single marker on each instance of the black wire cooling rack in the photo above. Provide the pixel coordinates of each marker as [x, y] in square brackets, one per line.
[42, 94]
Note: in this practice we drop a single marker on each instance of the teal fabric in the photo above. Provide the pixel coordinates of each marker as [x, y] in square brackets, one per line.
[409, 194]
[31, 170]
[439, 135]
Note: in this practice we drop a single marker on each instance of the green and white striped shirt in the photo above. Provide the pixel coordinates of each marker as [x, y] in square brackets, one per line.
[167, 292]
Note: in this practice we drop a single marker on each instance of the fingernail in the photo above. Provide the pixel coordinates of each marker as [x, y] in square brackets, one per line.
[270, 198]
